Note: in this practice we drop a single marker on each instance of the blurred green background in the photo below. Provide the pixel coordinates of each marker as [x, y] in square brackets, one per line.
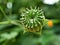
[11, 33]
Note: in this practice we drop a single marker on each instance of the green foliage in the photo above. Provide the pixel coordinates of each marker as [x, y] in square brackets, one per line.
[12, 30]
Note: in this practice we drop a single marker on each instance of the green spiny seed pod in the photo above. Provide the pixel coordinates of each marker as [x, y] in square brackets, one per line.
[33, 19]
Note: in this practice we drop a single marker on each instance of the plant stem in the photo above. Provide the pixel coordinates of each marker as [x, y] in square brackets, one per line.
[4, 13]
[10, 22]
[5, 22]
